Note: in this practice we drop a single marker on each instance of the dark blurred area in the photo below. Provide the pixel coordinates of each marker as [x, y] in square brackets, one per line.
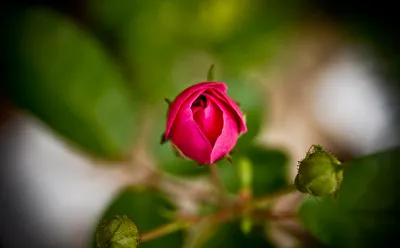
[84, 88]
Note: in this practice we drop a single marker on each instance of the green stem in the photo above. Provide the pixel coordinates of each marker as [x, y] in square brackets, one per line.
[163, 230]
[218, 183]
[222, 215]
[264, 200]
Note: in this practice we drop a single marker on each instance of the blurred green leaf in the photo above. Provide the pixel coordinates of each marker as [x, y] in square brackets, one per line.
[155, 36]
[269, 168]
[259, 33]
[183, 167]
[144, 36]
[367, 211]
[145, 209]
[60, 73]
[230, 235]
[249, 98]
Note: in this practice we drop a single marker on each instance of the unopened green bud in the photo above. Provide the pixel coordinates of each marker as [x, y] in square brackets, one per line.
[245, 172]
[117, 232]
[319, 173]
[246, 225]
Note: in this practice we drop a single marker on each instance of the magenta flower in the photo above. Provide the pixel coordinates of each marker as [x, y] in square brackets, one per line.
[204, 123]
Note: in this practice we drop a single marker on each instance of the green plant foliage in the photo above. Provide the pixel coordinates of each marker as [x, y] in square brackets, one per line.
[145, 209]
[230, 235]
[117, 232]
[367, 210]
[151, 36]
[183, 167]
[319, 173]
[145, 42]
[251, 104]
[60, 73]
[269, 169]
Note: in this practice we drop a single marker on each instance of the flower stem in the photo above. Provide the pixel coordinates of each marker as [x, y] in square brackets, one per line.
[223, 214]
[218, 183]
[163, 230]
[263, 200]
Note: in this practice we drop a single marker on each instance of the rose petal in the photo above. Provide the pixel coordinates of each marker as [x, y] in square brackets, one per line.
[187, 136]
[230, 131]
[209, 120]
[232, 104]
[182, 97]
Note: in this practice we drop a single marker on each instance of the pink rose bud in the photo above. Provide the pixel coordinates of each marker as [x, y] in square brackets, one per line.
[204, 123]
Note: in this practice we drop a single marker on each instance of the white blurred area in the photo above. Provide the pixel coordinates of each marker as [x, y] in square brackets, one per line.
[335, 98]
[354, 105]
[51, 196]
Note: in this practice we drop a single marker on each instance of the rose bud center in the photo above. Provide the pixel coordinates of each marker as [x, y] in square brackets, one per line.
[208, 116]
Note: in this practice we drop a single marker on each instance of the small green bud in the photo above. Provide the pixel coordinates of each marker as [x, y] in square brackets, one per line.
[319, 173]
[117, 232]
[245, 172]
[246, 225]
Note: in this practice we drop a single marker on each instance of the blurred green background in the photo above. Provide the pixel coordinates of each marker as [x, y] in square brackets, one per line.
[91, 68]
[96, 73]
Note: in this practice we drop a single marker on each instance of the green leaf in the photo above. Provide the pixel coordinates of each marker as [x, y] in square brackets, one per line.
[61, 74]
[145, 209]
[366, 213]
[249, 99]
[269, 169]
[183, 167]
[136, 27]
[230, 235]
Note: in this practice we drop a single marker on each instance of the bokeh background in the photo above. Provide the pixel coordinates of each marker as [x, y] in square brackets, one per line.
[84, 82]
